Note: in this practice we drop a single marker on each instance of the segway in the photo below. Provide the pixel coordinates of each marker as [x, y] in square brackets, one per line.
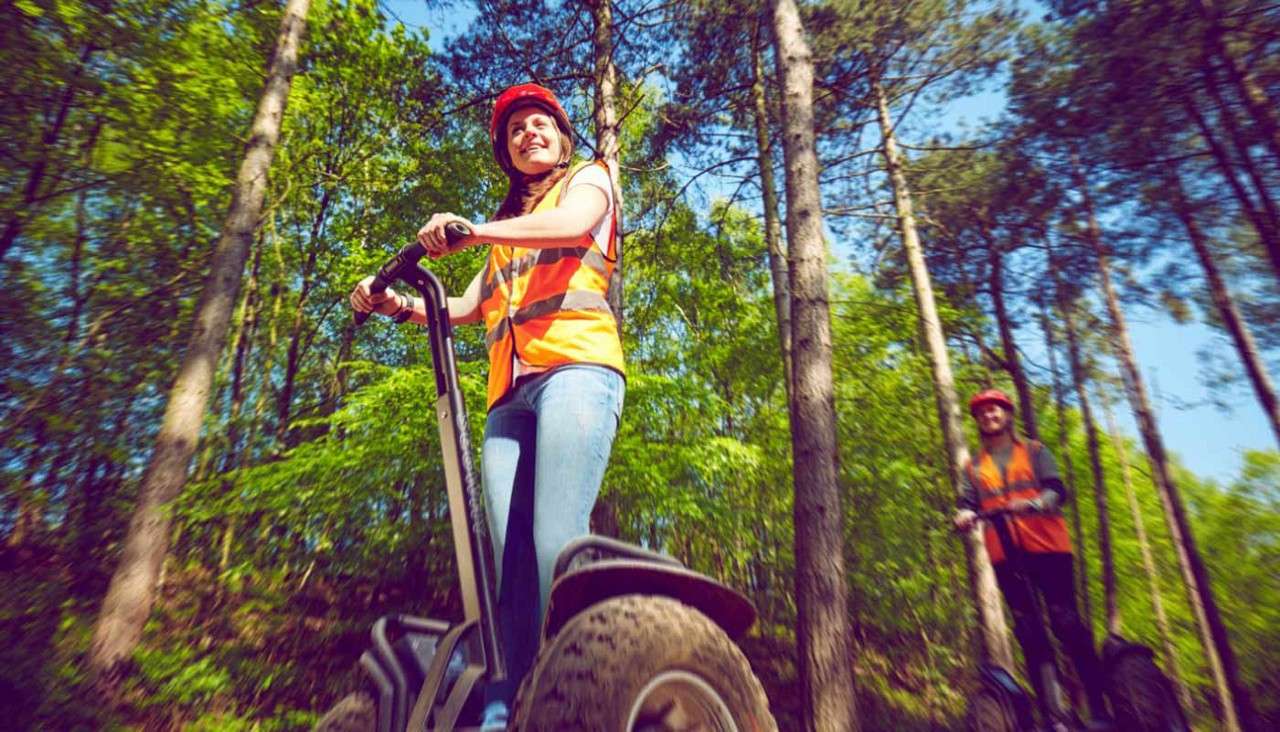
[1141, 696]
[632, 640]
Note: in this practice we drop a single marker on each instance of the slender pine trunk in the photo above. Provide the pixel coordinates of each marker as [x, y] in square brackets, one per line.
[1148, 561]
[1261, 109]
[1241, 337]
[605, 77]
[48, 141]
[1267, 234]
[772, 223]
[1079, 378]
[132, 590]
[1064, 452]
[1233, 695]
[822, 594]
[1244, 155]
[1012, 361]
[982, 578]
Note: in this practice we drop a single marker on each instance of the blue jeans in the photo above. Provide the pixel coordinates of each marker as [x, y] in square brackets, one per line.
[546, 447]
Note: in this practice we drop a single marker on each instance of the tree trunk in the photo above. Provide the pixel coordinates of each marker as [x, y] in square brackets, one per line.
[31, 189]
[1255, 100]
[1233, 695]
[243, 346]
[27, 511]
[1267, 234]
[1064, 454]
[1079, 378]
[293, 356]
[606, 121]
[338, 387]
[1244, 157]
[1148, 561]
[772, 224]
[822, 633]
[1012, 361]
[982, 578]
[1241, 337]
[131, 593]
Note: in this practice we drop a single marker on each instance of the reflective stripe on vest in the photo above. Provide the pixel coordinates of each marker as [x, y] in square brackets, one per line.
[548, 306]
[1042, 533]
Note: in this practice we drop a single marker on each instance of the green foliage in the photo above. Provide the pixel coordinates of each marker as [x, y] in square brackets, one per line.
[177, 675]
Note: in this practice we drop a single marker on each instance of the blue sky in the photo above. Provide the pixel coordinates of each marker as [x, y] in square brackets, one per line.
[1205, 439]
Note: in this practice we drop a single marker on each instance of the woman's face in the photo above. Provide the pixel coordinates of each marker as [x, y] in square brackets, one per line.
[533, 140]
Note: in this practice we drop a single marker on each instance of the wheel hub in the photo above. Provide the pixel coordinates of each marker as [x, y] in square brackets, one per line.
[679, 701]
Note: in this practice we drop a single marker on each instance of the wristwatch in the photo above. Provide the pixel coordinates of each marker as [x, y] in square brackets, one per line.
[406, 310]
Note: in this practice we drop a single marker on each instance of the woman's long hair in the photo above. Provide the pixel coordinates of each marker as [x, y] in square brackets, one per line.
[525, 192]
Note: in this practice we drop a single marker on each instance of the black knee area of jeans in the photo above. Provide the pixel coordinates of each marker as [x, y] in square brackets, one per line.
[1071, 632]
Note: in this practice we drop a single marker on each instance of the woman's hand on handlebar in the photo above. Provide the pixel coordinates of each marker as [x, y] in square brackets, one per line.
[964, 519]
[388, 302]
[432, 236]
[1042, 504]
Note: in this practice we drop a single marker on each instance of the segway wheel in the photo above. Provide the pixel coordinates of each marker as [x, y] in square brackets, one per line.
[641, 663]
[355, 712]
[1142, 699]
[988, 712]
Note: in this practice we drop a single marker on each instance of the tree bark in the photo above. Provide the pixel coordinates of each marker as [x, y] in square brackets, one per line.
[243, 346]
[28, 511]
[1064, 453]
[822, 633]
[1148, 561]
[293, 356]
[1012, 361]
[1233, 695]
[1244, 157]
[606, 122]
[31, 189]
[1255, 100]
[1268, 235]
[1079, 378]
[982, 578]
[131, 592]
[1236, 327]
[772, 223]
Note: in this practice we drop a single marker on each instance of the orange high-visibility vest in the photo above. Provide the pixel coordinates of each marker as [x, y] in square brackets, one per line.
[1032, 532]
[548, 306]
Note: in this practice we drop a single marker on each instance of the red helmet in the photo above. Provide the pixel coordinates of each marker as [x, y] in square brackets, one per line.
[519, 96]
[986, 396]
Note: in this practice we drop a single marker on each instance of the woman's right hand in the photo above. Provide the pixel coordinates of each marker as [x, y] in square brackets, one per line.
[365, 300]
[433, 238]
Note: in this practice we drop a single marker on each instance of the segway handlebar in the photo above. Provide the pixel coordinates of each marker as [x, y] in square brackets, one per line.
[1005, 511]
[472, 544]
[408, 256]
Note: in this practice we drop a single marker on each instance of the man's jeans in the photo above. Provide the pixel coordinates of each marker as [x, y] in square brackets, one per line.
[545, 451]
[1051, 576]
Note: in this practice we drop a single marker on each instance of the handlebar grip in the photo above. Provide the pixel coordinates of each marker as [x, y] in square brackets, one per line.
[378, 285]
[455, 232]
[408, 256]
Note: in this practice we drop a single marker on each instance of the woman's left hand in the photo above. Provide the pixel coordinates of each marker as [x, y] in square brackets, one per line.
[433, 239]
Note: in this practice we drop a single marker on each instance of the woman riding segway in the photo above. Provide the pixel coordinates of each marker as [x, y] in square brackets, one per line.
[555, 388]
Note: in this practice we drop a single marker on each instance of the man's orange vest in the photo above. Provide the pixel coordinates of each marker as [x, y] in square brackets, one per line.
[1043, 533]
[548, 306]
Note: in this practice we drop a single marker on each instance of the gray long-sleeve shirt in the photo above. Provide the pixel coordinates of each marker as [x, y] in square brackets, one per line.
[1046, 471]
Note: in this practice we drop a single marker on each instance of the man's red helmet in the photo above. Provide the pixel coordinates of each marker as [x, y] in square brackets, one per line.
[519, 96]
[987, 396]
